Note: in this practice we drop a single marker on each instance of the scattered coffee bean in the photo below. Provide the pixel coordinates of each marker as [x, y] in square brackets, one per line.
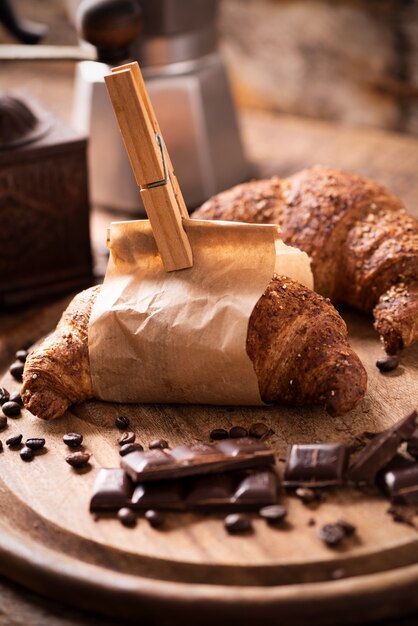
[274, 514]
[16, 397]
[3, 422]
[258, 430]
[127, 448]
[78, 459]
[122, 422]
[73, 440]
[236, 432]
[4, 395]
[26, 454]
[35, 443]
[236, 523]
[306, 495]
[16, 370]
[158, 444]
[10, 409]
[387, 363]
[218, 434]
[127, 517]
[348, 528]
[331, 534]
[14, 441]
[126, 437]
[267, 434]
[154, 518]
[21, 355]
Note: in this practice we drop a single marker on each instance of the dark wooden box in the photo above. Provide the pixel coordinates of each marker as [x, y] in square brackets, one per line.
[44, 217]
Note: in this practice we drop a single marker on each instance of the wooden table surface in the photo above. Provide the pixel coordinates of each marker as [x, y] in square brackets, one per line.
[276, 145]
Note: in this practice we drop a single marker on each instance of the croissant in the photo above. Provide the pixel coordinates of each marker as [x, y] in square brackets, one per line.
[362, 242]
[296, 340]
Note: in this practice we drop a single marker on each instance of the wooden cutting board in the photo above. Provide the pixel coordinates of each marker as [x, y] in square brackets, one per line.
[192, 571]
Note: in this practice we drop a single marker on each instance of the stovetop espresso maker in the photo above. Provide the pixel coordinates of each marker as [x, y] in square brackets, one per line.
[175, 43]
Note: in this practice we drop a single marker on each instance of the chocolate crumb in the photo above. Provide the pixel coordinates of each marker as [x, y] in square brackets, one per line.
[127, 517]
[311, 521]
[307, 495]
[154, 518]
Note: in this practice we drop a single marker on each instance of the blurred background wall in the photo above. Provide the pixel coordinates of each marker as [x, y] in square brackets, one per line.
[353, 61]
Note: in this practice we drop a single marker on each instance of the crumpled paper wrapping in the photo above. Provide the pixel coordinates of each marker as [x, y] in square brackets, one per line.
[180, 337]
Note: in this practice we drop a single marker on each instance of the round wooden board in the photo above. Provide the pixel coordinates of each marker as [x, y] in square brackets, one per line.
[192, 570]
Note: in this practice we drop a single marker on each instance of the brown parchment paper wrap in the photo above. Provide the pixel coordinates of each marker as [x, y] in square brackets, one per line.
[181, 336]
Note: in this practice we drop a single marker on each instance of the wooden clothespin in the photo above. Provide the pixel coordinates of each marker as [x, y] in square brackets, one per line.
[153, 171]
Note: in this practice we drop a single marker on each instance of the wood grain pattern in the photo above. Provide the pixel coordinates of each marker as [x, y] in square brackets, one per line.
[48, 530]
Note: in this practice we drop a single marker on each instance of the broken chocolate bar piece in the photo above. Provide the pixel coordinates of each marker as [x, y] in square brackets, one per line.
[232, 491]
[222, 456]
[402, 484]
[381, 450]
[112, 490]
[315, 465]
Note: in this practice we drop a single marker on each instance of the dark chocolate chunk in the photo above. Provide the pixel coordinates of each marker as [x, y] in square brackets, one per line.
[381, 450]
[412, 447]
[226, 455]
[78, 459]
[16, 397]
[16, 370]
[237, 432]
[219, 433]
[14, 441]
[127, 517]
[112, 490]
[26, 454]
[166, 495]
[316, 465]
[73, 440]
[155, 518]
[21, 355]
[331, 534]
[258, 430]
[158, 444]
[35, 443]
[387, 363]
[122, 422]
[274, 514]
[347, 527]
[4, 395]
[127, 448]
[402, 484]
[11, 409]
[126, 437]
[211, 491]
[3, 422]
[236, 523]
[257, 487]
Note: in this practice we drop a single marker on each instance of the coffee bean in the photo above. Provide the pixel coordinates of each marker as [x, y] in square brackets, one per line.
[348, 528]
[306, 495]
[4, 395]
[122, 422]
[274, 514]
[158, 444]
[21, 355]
[73, 440]
[35, 443]
[10, 409]
[331, 534]
[127, 448]
[3, 422]
[387, 363]
[126, 437]
[237, 523]
[78, 459]
[219, 433]
[127, 517]
[1, 446]
[14, 441]
[267, 434]
[258, 430]
[154, 518]
[236, 432]
[16, 370]
[26, 454]
[16, 397]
